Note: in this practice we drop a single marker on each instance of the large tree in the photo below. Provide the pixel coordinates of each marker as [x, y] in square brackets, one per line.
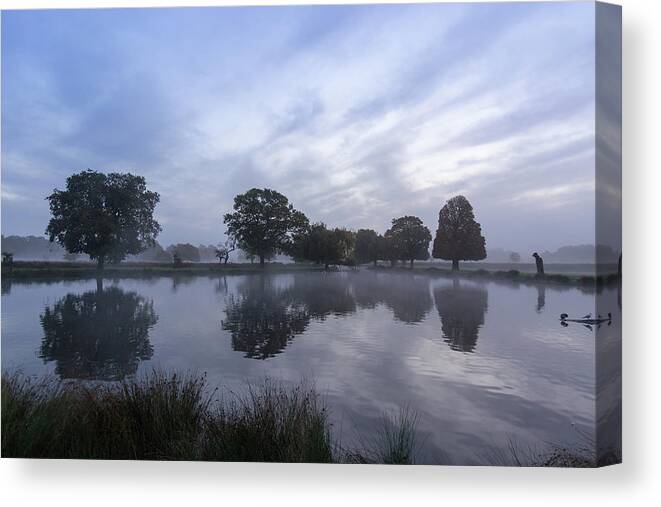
[459, 236]
[410, 238]
[263, 223]
[366, 248]
[106, 216]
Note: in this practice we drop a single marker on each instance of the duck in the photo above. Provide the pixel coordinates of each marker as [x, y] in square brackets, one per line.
[586, 320]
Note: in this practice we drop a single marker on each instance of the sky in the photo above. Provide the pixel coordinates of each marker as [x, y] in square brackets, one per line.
[358, 114]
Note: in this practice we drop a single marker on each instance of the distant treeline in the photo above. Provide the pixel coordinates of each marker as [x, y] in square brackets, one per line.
[574, 254]
[32, 248]
[39, 248]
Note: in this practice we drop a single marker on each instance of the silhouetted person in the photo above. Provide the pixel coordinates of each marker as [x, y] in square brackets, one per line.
[540, 264]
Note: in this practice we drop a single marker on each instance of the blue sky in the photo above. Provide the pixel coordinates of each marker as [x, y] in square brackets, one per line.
[357, 113]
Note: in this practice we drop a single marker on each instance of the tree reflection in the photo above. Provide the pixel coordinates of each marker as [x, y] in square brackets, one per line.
[221, 285]
[99, 335]
[180, 281]
[263, 318]
[462, 310]
[407, 297]
[6, 285]
[368, 289]
[330, 294]
[409, 301]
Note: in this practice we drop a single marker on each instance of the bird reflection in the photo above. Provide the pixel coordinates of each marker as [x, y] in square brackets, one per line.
[461, 309]
[98, 335]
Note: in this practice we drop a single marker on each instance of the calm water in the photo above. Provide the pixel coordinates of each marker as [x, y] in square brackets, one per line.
[481, 363]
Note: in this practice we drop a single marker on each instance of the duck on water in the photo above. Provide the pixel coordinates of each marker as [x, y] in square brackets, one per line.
[587, 319]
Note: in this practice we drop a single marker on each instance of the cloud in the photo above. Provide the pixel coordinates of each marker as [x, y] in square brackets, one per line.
[8, 195]
[357, 113]
[553, 196]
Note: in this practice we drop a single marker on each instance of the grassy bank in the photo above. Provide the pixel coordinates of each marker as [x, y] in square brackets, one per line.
[515, 276]
[44, 269]
[174, 417]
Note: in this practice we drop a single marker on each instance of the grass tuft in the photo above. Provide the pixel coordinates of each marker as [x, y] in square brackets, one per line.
[394, 443]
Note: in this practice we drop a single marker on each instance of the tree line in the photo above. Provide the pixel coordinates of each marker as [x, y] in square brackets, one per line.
[111, 216]
[264, 223]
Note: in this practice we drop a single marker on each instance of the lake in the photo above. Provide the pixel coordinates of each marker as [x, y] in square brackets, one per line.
[483, 364]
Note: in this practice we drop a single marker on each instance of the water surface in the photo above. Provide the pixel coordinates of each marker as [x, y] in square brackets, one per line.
[482, 363]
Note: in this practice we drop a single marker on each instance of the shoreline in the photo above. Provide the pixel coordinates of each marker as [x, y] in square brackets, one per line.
[42, 270]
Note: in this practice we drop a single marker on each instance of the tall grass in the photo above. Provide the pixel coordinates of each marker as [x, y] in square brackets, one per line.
[580, 455]
[393, 443]
[176, 417]
[159, 417]
[270, 423]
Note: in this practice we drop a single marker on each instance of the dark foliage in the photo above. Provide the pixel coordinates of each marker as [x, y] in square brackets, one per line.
[104, 216]
[408, 239]
[263, 223]
[459, 236]
[366, 248]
